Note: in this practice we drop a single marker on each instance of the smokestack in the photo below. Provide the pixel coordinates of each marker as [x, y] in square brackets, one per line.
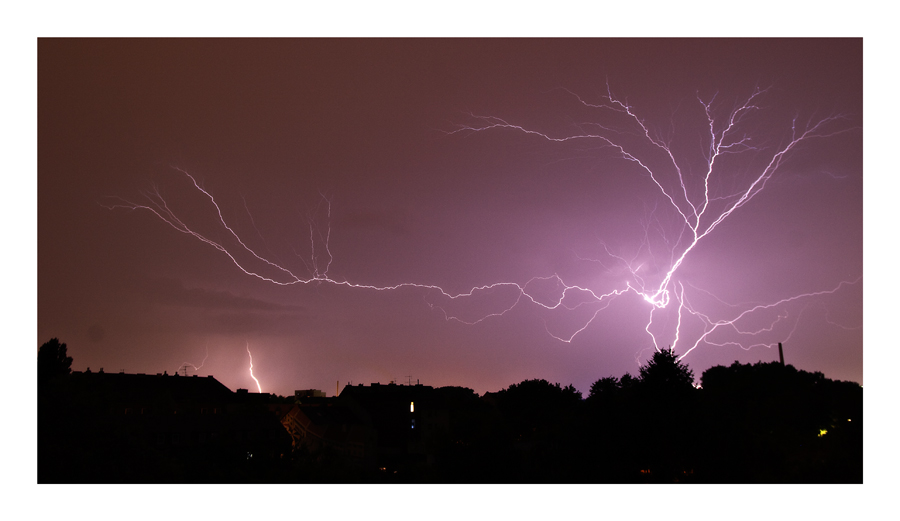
[780, 354]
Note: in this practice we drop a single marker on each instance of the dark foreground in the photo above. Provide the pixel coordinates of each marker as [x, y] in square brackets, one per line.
[763, 423]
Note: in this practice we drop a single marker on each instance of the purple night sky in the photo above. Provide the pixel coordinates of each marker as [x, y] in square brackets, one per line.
[393, 133]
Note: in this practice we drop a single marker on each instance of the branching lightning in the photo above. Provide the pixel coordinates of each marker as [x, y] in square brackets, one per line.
[697, 208]
[697, 199]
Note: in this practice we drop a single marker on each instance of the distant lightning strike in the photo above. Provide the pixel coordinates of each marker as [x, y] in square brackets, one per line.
[258, 388]
[700, 213]
[196, 367]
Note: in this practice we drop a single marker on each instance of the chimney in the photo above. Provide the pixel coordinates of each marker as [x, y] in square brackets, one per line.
[780, 354]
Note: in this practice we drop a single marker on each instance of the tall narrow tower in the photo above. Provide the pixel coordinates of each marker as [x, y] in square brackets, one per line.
[780, 354]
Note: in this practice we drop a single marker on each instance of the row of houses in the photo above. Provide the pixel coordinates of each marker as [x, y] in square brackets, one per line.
[388, 427]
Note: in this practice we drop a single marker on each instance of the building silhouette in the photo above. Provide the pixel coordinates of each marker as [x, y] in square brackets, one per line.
[117, 427]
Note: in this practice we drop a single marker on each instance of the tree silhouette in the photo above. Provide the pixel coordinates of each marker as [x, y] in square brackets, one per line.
[539, 397]
[663, 409]
[771, 423]
[55, 414]
[52, 360]
[627, 383]
[538, 430]
[604, 387]
[664, 372]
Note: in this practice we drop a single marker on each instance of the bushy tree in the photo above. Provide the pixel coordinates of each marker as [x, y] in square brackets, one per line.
[767, 422]
[52, 360]
[664, 372]
[537, 405]
[55, 414]
[604, 387]
[604, 392]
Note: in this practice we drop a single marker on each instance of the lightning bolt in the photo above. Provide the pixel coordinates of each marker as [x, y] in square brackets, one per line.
[258, 388]
[196, 367]
[699, 208]
[724, 137]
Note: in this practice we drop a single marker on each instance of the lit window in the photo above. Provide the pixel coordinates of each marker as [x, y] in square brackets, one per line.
[412, 406]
